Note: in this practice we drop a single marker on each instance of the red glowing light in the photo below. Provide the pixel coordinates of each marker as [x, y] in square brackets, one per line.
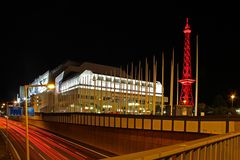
[186, 96]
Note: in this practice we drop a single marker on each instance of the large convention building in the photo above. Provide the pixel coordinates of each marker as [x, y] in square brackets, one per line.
[95, 88]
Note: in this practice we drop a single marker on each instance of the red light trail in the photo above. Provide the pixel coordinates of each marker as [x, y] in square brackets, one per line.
[45, 145]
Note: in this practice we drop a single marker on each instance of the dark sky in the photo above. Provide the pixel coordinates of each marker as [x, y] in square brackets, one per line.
[41, 37]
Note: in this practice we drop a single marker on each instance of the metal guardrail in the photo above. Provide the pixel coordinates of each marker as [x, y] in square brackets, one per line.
[11, 148]
[219, 147]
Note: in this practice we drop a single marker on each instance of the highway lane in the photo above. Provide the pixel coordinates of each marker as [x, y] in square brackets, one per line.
[45, 145]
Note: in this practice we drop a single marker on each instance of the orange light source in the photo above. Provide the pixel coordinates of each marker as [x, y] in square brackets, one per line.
[184, 101]
[51, 86]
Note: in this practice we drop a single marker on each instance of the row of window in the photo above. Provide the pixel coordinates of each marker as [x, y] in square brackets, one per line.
[124, 81]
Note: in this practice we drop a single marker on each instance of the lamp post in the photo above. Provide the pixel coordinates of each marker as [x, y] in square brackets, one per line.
[49, 86]
[232, 97]
[3, 108]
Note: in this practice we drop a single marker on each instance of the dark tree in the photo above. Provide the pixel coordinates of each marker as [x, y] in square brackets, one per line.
[220, 105]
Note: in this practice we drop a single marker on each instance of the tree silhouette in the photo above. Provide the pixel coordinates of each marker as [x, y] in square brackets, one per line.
[220, 105]
[219, 101]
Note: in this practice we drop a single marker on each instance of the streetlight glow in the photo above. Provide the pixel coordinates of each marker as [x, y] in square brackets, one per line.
[232, 97]
[50, 86]
[184, 101]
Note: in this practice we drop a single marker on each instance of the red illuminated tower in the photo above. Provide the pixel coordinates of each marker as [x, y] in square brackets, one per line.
[186, 96]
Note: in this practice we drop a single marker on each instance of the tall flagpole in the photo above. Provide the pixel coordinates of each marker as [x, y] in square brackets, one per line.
[135, 90]
[131, 87]
[149, 80]
[89, 92]
[154, 86]
[85, 94]
[177, 83]
[101, 99]
[114, 92]
[141, 89]
[171, 86]
[94, 93]
[126, 103]
[196, 90]
[80, 95]
[139, 72]
[162, 102]
[121, 91]
[107, 93]
[111, 92]
[146, 84]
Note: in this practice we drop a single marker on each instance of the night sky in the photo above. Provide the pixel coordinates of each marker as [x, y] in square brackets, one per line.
[43, 36]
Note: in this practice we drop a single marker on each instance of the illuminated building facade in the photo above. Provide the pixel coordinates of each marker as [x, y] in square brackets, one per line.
[98, 88]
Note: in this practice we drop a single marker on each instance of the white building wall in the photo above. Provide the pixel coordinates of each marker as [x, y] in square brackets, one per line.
[86, 79]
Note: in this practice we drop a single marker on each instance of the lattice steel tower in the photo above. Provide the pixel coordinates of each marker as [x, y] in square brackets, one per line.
[186, 96]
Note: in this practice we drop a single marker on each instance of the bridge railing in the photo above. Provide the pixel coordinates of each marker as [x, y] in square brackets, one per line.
[206, 124]
[219, 147]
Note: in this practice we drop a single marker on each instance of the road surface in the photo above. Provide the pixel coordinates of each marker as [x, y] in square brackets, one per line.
[45, 145]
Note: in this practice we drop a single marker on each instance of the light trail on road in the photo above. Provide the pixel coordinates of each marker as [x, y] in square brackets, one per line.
[45, 145]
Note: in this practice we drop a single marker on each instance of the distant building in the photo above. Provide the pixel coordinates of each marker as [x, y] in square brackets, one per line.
[89, 87]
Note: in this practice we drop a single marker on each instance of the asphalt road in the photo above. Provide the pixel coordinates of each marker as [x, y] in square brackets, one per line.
[46, 145]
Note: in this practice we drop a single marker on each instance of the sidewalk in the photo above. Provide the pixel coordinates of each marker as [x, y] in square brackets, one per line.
[3, 153]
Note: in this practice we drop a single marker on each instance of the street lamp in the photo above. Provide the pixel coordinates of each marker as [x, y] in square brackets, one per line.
[4, 107]
[232, 97]
[49, 86]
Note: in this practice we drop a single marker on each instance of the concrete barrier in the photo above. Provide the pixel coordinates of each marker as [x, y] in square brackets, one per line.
[212, 125]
